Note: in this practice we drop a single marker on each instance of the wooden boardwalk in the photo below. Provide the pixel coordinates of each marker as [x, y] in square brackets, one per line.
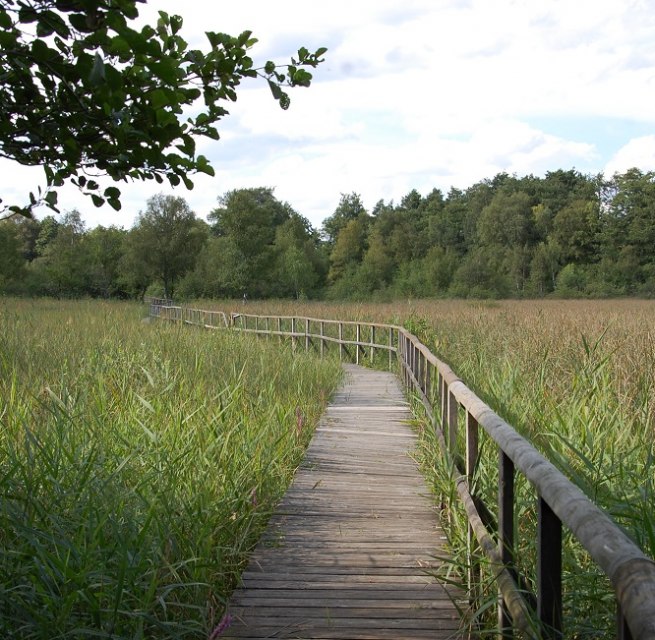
[351, 549]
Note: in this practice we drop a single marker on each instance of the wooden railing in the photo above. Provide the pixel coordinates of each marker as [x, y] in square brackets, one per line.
[449, 403]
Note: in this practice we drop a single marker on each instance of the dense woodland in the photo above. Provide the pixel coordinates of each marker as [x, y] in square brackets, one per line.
[565, 234]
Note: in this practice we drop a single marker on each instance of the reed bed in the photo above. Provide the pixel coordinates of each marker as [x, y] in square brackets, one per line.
[577, 378]
[139, 463]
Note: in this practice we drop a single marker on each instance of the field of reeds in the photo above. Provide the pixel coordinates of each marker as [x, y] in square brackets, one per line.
[577, 378]
[138, 464]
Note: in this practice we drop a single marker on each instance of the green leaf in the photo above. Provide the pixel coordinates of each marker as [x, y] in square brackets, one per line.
[114, 204]
[112, 193]
[119, 46]
[5, 20]
[275, 90]
[188, 145]
[320, 51]
[202, 164]
[50, 198]
[158, 99]
[166, 71]
[97, 200]
[176, 24]
[41, 51]
[97, 74]
[269, 67]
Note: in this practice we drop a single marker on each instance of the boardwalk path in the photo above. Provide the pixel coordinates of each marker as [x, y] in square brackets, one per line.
[349, 550]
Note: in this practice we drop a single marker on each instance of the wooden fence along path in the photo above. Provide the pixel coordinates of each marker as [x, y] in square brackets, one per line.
[350, 551]
[459, 418]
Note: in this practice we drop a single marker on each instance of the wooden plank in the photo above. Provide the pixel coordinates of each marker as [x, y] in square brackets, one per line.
[353, 547]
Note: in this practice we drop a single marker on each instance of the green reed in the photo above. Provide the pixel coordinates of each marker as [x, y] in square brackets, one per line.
[138, 465]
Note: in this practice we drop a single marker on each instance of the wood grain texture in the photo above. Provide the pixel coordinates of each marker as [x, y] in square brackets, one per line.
[353, 547]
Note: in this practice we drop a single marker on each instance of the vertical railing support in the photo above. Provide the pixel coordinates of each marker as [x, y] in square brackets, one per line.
[505, 532]
[340, 341]
[453, 407]
[472, 450]
[549, 571]
[357, 340]
[322, 330]
[307, 340]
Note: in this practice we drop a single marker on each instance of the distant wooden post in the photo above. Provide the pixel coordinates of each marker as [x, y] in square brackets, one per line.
[340, 341]
[322, 334]
[357, 340]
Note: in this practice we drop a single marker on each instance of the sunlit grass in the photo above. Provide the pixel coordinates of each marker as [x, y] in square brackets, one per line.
[138, 465]
[577, 378]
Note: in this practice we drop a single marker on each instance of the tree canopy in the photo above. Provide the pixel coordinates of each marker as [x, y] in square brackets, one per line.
[86, 93]
[565, 235]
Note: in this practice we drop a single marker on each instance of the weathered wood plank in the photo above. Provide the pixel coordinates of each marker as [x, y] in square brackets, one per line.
[352, 549]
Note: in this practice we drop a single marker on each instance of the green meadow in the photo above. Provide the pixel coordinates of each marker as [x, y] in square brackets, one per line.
[577, 379]
[138, 464]
[139, 461]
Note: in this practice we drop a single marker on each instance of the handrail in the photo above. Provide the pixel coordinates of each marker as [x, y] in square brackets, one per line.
[560, 501]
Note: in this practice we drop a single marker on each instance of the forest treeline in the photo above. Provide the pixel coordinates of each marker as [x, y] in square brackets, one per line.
[565, 234]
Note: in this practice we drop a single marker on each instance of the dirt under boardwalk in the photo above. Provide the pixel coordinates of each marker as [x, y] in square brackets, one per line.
[350, 551]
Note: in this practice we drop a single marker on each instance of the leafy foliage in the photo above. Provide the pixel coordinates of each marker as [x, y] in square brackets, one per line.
[564, 235]
[84, 93]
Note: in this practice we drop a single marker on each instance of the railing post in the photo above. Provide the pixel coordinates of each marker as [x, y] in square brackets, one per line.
[293, 333]
[443, 404]
[279, 329]
[505, 532]
[472, 449]
[452, 424]
[357, 340]
[322, 330]
[622, 630]
[372, 354]
[391, 347]
[307, 340]
[340, 341]
[549, 571]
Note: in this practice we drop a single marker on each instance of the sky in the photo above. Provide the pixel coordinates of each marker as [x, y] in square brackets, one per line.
[418, 94]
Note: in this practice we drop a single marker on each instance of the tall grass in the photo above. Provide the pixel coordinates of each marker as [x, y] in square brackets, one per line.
[577, 378]
[138, 465]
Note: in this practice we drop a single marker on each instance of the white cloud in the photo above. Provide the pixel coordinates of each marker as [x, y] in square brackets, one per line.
[419, 94]
[638, 152]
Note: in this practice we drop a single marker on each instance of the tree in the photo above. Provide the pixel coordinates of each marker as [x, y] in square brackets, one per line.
[506, 220]
[349, 247]
[246, 223]
[62, 268]
[82, 90]
[12, 263]
[164, 243]
[299, 263]
[350, 207]
[104, 248]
